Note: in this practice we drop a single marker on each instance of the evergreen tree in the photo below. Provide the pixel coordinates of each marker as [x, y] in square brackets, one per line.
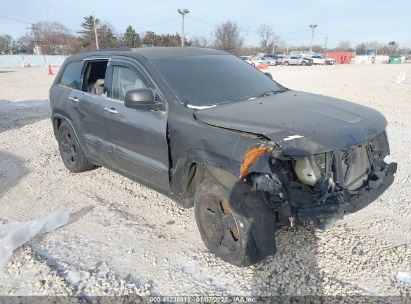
[131, 38]
[87, 38]
[106, 37]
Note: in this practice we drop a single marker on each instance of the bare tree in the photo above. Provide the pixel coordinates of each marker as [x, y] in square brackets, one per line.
[107, 37]
[318, 48]
[201, 42]
[344, 46]
[23, 44]
[227, 37]
[52, 38]
[268, 38]
[378, 48]
[361, 48]
[152, 39]
[375, 46]
[5, 44]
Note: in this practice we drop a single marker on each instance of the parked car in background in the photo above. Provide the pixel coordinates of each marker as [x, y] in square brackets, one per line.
[261, 60]
[297, 60]
[330, 61]
[248, 59]
[318, 59]
[274, 59]
[271, 61]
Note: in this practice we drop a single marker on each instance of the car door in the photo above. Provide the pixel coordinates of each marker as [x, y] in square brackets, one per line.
[139, 136]
[86, 112]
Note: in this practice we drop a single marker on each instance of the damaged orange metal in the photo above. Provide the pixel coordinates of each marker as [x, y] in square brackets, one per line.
[251, 156]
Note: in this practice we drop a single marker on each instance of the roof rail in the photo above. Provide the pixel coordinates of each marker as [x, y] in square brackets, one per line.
[104, 50]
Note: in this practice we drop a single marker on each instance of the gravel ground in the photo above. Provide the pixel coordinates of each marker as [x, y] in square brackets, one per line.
[128, 239]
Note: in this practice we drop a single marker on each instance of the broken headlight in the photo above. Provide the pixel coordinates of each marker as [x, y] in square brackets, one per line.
[310, 169]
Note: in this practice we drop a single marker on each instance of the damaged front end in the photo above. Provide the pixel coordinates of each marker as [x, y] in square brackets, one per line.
[323, 187]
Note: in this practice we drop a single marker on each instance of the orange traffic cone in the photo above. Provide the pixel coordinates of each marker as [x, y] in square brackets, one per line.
[50, 72]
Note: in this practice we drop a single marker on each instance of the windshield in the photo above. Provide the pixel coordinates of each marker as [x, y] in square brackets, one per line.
[214, 79]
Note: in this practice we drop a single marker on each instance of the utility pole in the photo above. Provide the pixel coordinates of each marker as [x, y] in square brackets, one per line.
[325, 42]
[34, 27]
[182, 12]
[95, 31]
[312, 26]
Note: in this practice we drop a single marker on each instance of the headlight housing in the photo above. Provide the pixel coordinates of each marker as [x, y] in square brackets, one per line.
[310, 169]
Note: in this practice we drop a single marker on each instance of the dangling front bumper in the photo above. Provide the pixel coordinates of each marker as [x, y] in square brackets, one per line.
[335, 207]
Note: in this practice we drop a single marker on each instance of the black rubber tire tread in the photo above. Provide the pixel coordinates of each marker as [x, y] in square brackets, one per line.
[255, 221]
[81, 164]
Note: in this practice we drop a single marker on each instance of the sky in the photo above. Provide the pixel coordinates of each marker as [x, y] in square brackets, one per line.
[356, 21]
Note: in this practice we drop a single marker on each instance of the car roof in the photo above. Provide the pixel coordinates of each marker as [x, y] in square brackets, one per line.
[151, 52]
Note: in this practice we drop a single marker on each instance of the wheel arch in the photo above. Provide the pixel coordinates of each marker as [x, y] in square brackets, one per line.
[190, 173]
[187, 180]
[57, 119]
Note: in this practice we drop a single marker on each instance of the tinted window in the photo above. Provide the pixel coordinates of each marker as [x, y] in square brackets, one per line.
[72, 74]
[124, 80]
[213, 79]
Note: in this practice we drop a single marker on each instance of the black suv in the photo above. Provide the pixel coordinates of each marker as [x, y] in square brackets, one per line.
[211, 131]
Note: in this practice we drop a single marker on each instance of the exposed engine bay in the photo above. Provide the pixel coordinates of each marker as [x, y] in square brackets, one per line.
[325, 186]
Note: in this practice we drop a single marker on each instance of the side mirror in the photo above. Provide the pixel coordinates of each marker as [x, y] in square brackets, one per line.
[141, 99]
[268, 75]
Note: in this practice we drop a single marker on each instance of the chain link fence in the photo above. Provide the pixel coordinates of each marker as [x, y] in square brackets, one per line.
[23, 60]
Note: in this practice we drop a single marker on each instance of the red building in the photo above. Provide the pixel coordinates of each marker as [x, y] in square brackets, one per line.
[341, 57]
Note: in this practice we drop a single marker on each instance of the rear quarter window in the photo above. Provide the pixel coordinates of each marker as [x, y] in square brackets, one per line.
[72, 75]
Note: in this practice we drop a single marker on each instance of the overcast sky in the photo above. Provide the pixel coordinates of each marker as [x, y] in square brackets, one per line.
[356, 21]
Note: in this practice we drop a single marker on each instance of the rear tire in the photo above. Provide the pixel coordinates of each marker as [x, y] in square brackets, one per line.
[234, 223]
[70, 150]
[286, 63]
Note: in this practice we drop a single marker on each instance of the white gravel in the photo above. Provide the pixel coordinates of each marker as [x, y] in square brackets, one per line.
[128, 239]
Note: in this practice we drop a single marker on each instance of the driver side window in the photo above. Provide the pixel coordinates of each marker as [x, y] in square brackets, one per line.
[124, 80]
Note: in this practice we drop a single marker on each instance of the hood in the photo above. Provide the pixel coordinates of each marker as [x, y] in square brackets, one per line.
[300, 123]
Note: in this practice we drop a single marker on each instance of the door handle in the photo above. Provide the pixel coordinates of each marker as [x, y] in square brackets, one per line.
[111, 110]
[75, 99]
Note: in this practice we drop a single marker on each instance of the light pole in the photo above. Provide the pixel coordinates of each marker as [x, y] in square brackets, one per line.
[313, 26]
[182, 12]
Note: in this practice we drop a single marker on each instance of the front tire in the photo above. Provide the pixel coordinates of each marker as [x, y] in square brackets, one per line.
[234, 223]
[70, 150]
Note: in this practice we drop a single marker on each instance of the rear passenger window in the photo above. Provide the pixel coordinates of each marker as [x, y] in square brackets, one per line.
[95, 77]
[72, 75]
